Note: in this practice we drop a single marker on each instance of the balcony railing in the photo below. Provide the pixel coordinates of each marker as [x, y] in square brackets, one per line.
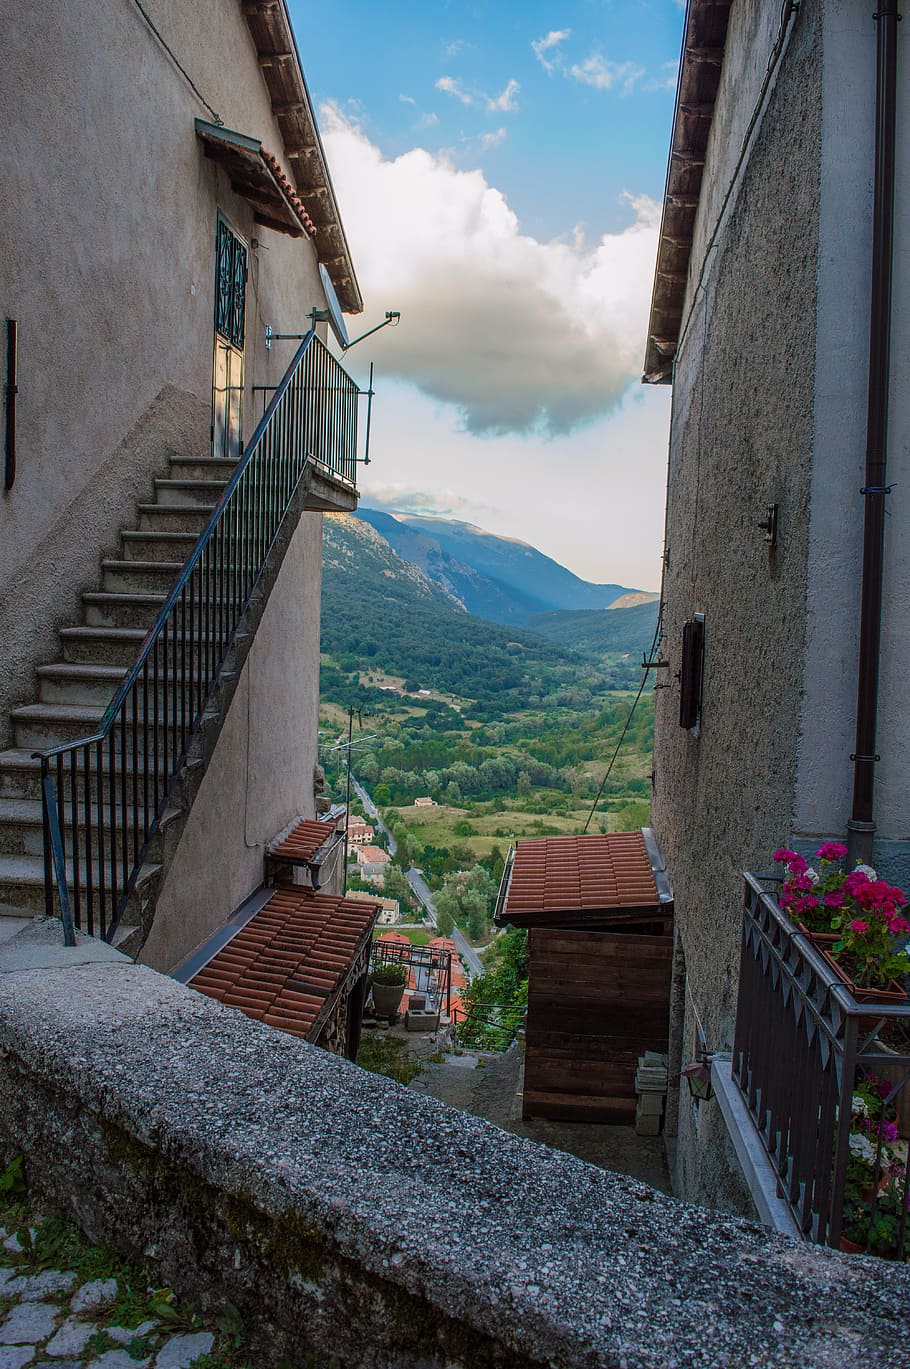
[803, 1046]
[104, 795]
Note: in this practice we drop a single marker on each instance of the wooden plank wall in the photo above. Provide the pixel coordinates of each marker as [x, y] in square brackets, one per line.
[596, 1002]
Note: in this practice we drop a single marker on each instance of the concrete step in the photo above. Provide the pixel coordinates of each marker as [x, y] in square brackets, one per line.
[42, 726]
[22, 882]
[62, 682]
[174, 517]
[139, 577]
[185, 490]
[102, 645]
[21, 825]
[201, 468]
[107, 608]
[151, 545]
[20, 775]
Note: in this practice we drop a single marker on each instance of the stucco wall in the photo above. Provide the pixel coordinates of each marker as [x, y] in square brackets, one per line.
[741, 437]
[841, 378]
[260, 775]
[107, 233]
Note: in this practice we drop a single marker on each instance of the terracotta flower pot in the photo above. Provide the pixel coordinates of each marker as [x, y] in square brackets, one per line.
[893, 993]
[851, 1247]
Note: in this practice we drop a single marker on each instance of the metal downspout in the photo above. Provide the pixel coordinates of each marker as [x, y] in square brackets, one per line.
[861, 826]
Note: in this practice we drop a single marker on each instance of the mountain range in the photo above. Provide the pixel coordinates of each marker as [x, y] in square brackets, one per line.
[382, 612]
[501, 579]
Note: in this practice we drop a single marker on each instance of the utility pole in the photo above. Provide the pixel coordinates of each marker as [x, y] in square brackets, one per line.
[347, 801]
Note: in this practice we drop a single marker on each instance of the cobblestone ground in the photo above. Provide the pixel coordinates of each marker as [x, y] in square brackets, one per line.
[93, 1312]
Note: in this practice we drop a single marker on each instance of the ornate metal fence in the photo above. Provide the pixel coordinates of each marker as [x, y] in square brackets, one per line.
[802, 1047]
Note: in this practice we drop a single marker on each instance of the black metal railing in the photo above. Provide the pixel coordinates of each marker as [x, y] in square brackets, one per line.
[430, 967]
[108, 791]
[489, 1026]
[803, 1045]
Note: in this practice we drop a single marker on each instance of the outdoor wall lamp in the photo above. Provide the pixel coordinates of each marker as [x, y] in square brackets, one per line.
[698, 1077]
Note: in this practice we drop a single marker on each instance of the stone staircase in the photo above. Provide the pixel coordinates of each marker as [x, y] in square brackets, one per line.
[95, 655]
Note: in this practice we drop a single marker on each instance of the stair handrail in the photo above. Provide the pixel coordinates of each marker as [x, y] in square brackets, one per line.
[324, 367]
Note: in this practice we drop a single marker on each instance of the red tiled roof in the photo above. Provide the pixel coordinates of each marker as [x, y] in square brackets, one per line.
[591, 873]
[373, 855]
[287, 963]
[302, 841]
[289, 192]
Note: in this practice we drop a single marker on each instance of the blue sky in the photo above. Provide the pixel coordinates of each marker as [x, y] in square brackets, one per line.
[499, 170]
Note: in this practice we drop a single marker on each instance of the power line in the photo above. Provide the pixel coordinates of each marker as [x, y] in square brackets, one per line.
[175, 59]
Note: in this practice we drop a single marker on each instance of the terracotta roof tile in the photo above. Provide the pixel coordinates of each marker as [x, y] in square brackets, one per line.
[303, 841]
[590, 874]
[285, 965]
[289, 192]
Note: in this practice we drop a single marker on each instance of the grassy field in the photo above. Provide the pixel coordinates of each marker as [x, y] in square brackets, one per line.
[484, 825]
[418, 936]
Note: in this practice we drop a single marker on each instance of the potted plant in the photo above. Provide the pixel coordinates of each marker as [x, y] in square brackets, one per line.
[388, 983]
[855, 919]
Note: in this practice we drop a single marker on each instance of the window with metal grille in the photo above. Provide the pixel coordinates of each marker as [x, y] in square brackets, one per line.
[230, 286]
[692, 671]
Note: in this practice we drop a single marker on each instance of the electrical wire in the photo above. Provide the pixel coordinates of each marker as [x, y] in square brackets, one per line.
[641, 689]
[175, 59]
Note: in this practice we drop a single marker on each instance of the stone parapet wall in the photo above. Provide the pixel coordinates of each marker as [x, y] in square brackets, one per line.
[344, 1215]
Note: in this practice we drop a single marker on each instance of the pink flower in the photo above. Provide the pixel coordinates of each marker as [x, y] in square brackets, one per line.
[859, 926]
[802, 882]
[783, 855]
[855, 882]
[804, 904]
[831, 850]
[797, 865]
[835, 899]
[898, 924]
[786, 899]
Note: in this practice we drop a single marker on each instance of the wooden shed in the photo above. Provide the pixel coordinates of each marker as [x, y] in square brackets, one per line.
[599, 914]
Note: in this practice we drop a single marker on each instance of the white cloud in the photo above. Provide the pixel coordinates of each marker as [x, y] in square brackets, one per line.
[429, 120]
[546, 44]
[490, 140]
[458, 46]
[597, 70]
[505, 102]
[518, 335]
[407, 99]
[450, 86]
[669, 73]
[593, 500]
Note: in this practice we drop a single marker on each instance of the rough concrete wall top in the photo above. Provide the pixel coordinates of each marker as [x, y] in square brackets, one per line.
[553, 1261]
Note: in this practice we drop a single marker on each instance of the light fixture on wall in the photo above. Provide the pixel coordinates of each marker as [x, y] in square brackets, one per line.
[698, 1077]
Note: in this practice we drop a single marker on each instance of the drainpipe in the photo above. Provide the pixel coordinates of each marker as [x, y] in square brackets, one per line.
[861, 827]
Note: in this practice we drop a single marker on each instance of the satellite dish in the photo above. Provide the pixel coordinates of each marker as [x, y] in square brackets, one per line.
[335, 316]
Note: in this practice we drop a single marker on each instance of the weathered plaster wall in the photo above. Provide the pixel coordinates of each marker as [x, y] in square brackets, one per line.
[741, 437]
[260, 775]
[107, 233]
[824, 784]
[347, 1216]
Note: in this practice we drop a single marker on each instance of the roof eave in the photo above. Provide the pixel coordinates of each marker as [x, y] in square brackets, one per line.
[273, 37]
[704, 38]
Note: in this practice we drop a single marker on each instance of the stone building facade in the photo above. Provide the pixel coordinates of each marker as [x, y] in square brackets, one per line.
[761, 322]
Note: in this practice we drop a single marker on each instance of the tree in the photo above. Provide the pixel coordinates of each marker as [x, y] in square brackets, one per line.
[444, 922]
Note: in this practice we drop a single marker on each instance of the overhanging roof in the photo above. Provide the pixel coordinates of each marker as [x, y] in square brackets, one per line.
[273, 37]
[704, 37]
[257, 176]
[288, 964]
[602, 880]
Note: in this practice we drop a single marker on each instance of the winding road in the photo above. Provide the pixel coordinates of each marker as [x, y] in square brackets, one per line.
[469, 957]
